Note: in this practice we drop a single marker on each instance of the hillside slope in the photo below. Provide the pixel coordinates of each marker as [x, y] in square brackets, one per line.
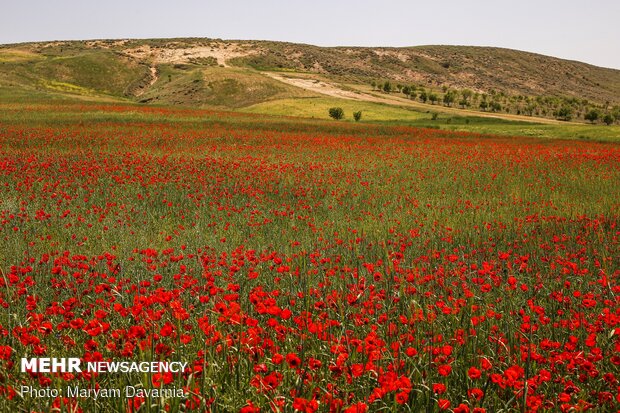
[479, 68]
[207, 72]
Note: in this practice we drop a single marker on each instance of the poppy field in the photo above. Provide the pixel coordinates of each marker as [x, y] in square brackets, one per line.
[304, 266]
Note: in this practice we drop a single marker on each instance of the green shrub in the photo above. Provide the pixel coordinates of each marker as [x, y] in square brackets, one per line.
[336, 113]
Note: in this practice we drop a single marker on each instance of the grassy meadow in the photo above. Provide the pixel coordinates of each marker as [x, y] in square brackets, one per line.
[318, 107]
[307, 265]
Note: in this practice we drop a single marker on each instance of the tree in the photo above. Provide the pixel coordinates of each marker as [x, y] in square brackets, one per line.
[433, 98]
[449, 97]
[592, 115]
[466, 94]
[484, 105]
[423, 96]
[357, 115]
[565, 113]
[336, 113]
[406, 90]
[387, 87]
[608, 119]
[530, 108]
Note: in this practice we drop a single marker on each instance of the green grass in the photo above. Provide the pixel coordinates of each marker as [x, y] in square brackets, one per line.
[217, 87]
[318, 108]
[516, 128]
[582, 132]
[102, 71]
[89, 74]
[391, 115]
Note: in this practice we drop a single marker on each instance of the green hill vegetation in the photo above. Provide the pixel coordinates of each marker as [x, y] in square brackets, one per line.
[456, 84]
[231, 88]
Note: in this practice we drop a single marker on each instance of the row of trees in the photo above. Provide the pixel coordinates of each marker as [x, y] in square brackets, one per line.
[449, 97]
[593, 115]
[543, 106]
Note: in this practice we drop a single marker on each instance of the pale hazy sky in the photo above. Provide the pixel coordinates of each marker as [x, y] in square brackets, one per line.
[586, 30]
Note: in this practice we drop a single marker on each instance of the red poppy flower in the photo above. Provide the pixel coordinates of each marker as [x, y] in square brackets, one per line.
[444, 370]
[473, 373]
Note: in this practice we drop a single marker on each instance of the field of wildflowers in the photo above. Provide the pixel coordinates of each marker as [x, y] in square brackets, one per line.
[301, 266]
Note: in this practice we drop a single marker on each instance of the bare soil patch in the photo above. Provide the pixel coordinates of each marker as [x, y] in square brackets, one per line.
[221, 52]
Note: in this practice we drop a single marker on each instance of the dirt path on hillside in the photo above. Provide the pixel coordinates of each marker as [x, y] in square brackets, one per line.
[153, 78]
[329, 89]
[324, 88]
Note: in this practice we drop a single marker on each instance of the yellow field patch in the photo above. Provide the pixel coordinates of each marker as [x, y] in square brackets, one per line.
[68, 87]
[15, 55]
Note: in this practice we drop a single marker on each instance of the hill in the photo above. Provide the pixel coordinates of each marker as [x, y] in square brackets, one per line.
[479, 68]
[240, 74]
